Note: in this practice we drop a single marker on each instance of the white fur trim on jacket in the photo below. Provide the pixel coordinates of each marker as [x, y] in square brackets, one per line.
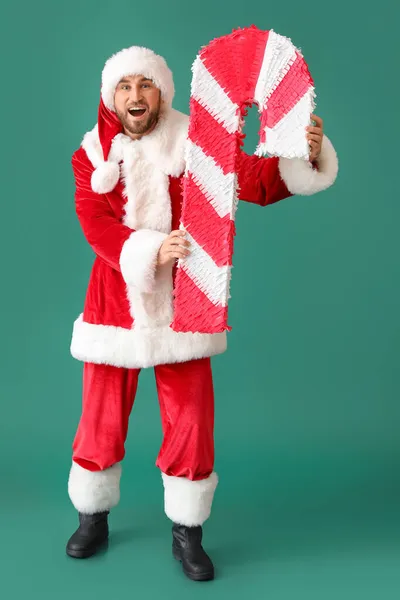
[188, 502]
[94, 491]
[141, 347]
[302, 179]
[138, 259]
[136, 61]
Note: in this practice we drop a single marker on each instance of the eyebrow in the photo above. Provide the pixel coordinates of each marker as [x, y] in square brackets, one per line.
[128, 81]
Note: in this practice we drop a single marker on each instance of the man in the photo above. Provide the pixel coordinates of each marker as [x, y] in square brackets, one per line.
[128, 175]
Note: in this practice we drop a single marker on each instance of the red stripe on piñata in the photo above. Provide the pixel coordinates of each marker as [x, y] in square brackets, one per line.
[288, 92]
[213, 233]
[235, 61]
[254, 69]
[195, 312]
[208, 134]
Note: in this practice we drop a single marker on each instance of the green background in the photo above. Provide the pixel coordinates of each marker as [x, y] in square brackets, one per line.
[307, 397]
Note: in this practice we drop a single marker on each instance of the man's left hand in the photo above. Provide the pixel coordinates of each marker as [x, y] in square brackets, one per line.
[314, 137]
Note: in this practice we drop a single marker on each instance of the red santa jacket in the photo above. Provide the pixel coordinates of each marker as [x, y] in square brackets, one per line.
[128, 305]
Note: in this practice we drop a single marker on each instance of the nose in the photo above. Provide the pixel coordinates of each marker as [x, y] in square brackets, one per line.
[136, 94]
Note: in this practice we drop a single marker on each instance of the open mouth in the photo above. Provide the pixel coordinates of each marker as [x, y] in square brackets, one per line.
[137, 112]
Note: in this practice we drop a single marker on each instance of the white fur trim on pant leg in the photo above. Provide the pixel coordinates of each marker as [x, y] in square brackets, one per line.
[302, 179]
[188, 502]
[138, 259]
[94, 491]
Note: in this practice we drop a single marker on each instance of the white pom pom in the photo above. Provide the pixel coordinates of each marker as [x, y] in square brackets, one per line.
[105, 177]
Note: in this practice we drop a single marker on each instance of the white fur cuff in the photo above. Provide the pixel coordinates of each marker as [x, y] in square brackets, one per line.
[188, 502]
[300, 177]
[138, 260]
[94, 491]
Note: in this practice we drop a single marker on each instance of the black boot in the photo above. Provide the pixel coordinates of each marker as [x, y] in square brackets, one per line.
[187, 548]
[90, 535]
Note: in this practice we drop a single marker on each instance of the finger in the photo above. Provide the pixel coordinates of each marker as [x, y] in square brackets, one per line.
[178, 250]
[176, 238]
[177, 255]
[177, 233]
[314, 137]
[314, 152]
[177, 241]
[317, 119]
[317, 130]
[313, 145]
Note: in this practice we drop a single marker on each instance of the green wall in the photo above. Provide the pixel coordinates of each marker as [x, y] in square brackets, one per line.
[307, 397]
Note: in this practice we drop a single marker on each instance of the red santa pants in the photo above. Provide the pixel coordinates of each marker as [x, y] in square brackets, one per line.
[186, 397]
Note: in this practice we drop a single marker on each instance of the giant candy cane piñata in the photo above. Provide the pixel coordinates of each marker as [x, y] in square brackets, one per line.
[232, 72]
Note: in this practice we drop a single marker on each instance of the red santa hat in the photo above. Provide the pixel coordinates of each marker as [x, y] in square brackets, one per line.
[129, 61]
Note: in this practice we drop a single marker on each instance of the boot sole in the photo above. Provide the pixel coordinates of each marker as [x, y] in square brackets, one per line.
[87, 553]
[194, 576]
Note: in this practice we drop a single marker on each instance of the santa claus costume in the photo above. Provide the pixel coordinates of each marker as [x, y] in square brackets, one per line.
[128, 200]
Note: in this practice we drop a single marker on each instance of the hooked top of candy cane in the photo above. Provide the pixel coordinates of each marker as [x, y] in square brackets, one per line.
[254, 66]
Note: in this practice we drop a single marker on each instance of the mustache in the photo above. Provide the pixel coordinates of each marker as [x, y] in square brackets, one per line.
[138, 105]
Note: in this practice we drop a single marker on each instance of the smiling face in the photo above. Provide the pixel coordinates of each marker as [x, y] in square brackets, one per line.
[137, 104]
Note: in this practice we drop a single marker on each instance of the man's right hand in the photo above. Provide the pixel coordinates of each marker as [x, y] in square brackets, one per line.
[171, 249]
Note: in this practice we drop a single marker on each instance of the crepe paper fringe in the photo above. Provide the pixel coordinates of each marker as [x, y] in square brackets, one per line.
[230, 74]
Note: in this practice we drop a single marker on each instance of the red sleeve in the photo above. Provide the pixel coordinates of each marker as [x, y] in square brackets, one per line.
[104, 232]
[260, 181]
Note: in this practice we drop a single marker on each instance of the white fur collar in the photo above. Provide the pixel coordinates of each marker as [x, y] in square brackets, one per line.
[164, 148]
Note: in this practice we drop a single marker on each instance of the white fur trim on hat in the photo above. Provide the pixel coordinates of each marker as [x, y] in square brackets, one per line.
[300, 176]
[136, 61]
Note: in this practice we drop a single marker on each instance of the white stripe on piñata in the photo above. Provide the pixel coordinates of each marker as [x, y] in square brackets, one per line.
[217, 187]
[203, 271]
[279, 55]
[207, 91]
[293, 124]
